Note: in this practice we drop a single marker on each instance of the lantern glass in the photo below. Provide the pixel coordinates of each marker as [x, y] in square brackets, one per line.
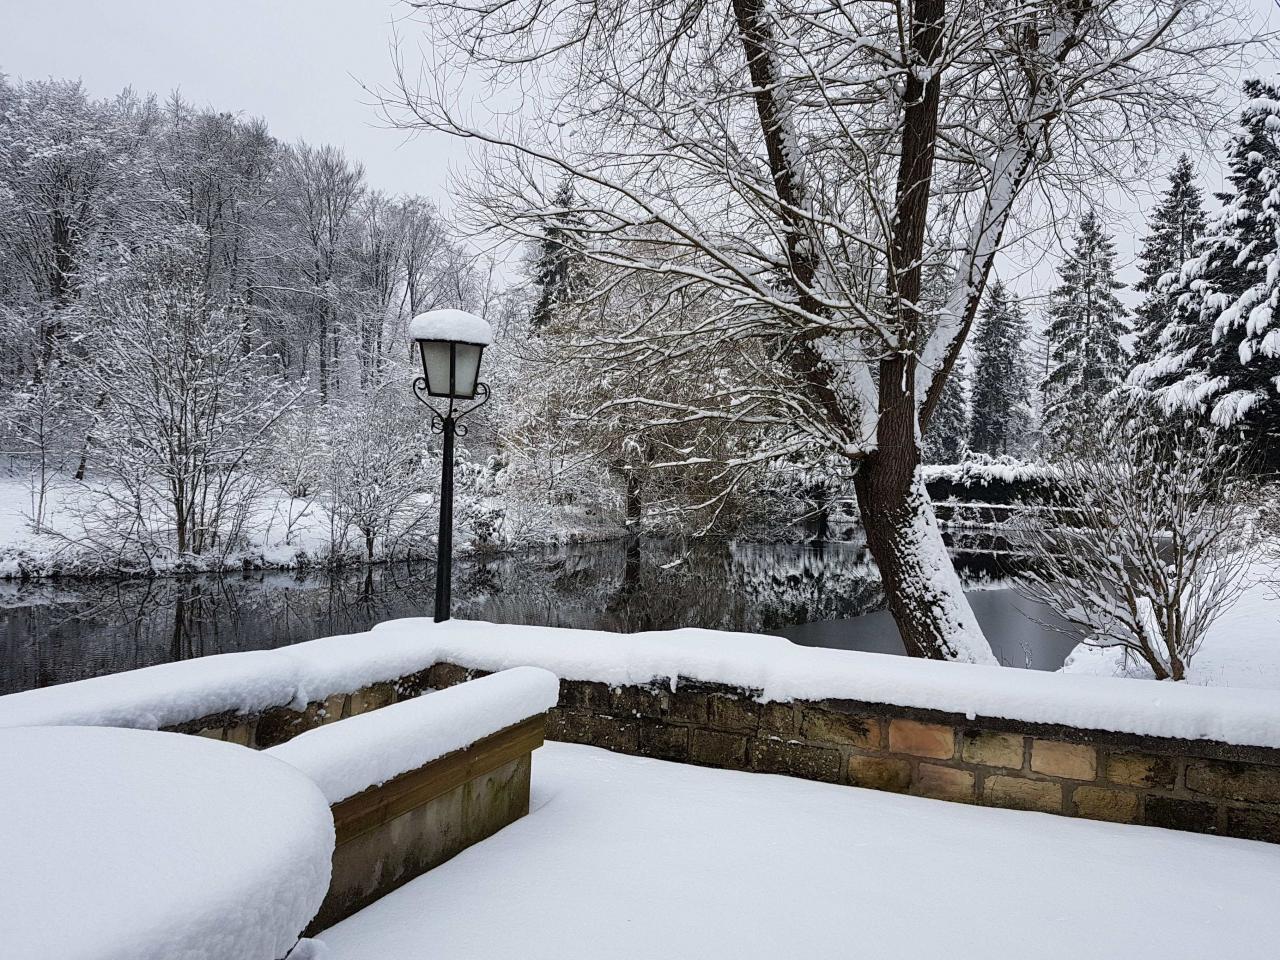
[451, 368]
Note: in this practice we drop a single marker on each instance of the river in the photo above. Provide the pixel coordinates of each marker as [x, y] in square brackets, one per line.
[824, 594]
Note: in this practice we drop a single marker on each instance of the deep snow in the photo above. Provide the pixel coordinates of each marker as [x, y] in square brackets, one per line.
[371, 748]
[776, 668]
[1241, 648]
[635, 858]
[132, 845]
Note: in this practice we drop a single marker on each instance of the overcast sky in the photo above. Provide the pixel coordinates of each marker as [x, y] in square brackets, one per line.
[300, 65]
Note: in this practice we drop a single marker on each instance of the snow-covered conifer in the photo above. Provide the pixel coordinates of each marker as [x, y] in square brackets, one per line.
[557, 263]
[1175, 225]
[1000, 416]
[1086, 321]
[948, 436]
[1220, 351]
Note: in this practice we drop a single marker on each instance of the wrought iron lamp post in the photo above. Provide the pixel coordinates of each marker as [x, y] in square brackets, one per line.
[450, 344]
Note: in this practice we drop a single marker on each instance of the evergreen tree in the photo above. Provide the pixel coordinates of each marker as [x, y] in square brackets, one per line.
[1086, 321]
[948, 436]
[1220, 351]
[1174, 227]
[557, 264]
[1000, 416]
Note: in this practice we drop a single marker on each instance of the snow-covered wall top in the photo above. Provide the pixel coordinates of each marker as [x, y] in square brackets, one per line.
[248, 682]
[1001, 470]
[369, 749]
[451, 325]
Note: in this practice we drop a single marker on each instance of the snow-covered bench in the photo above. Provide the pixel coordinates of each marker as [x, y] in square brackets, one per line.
[417, 782]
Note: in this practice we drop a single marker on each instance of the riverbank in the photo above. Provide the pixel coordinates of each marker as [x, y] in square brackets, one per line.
[280, 532]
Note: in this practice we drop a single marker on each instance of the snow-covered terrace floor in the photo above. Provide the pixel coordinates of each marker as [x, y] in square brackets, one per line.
[624, 857]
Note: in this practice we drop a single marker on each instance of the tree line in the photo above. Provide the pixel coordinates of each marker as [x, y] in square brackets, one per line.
[193, 312]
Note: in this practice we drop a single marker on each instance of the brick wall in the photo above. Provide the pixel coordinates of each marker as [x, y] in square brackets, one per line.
[1197, 785]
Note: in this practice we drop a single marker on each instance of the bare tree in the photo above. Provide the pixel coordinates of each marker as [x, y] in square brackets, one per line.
[801, 164]
[180, 412]
[321, 197]
[1156, 545]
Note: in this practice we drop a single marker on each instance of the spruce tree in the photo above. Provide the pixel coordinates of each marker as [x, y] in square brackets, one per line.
[558, 262]
[1220, 352]
[947, 438]
[1086, 321]
[1175, 225]
[1000, 415]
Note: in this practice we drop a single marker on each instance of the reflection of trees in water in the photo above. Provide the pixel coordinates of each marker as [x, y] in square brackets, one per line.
[68, 630]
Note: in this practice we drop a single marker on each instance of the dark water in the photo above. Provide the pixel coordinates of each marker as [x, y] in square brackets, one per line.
[816, 594]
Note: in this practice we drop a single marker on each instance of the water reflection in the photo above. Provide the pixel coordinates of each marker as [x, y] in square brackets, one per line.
[819, 594]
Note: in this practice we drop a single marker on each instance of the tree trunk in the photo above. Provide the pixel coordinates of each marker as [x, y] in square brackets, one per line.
[634, 505]
[924, 592]
[925, 596]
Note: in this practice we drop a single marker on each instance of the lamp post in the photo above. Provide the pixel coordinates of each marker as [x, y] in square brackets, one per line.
[450, 344]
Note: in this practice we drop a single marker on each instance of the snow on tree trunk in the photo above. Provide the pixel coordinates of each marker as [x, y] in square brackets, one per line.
[925, 595]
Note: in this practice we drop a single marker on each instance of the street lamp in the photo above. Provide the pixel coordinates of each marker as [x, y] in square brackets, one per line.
[450, 344]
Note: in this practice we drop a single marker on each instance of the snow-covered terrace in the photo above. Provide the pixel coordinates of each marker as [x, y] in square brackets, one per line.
[633, 858]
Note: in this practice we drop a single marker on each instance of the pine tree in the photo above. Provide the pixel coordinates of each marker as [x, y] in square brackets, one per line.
[1220, 352]
[1176, 224]
[948, 436]
[557, 263]
[1000, 416]
[1086, 321]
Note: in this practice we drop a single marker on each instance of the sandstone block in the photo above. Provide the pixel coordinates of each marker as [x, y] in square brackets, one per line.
[1234, 781]
[830, 726]
[664, 742]
[717, 749]
[943, 783]
[585, 695]
[933, 740]
[1102, 803]
[1072, 761]
[413, 684]
[1253, 824]
[637, 701]
[336, 707]
[1017, 793]
[241, 733]
[448, 675]
[992, 749]
[1141, 770]
[793, 759]
[687, 706]
[778, 718]
[879, 773]
[734, 714]
[1180, 814]
[279, 724]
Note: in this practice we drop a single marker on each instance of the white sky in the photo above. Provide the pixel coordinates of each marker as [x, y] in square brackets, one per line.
[300, 65]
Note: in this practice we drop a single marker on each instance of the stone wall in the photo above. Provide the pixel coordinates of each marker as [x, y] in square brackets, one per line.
[1195, 785]
[398, 830]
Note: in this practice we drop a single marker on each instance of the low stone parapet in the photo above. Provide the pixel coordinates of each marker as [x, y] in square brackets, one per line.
[1172, 755]
[415, 783]
[1195, 785]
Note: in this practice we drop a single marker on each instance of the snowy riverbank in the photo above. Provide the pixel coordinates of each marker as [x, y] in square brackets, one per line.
[280, 533]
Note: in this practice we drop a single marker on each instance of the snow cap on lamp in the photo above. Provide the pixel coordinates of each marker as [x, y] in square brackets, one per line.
[450, 344]
[456, 325]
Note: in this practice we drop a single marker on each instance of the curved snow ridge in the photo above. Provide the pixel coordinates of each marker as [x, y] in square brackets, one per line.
[772, 667]
[128, 845]
[369, 749]
[451, 324]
